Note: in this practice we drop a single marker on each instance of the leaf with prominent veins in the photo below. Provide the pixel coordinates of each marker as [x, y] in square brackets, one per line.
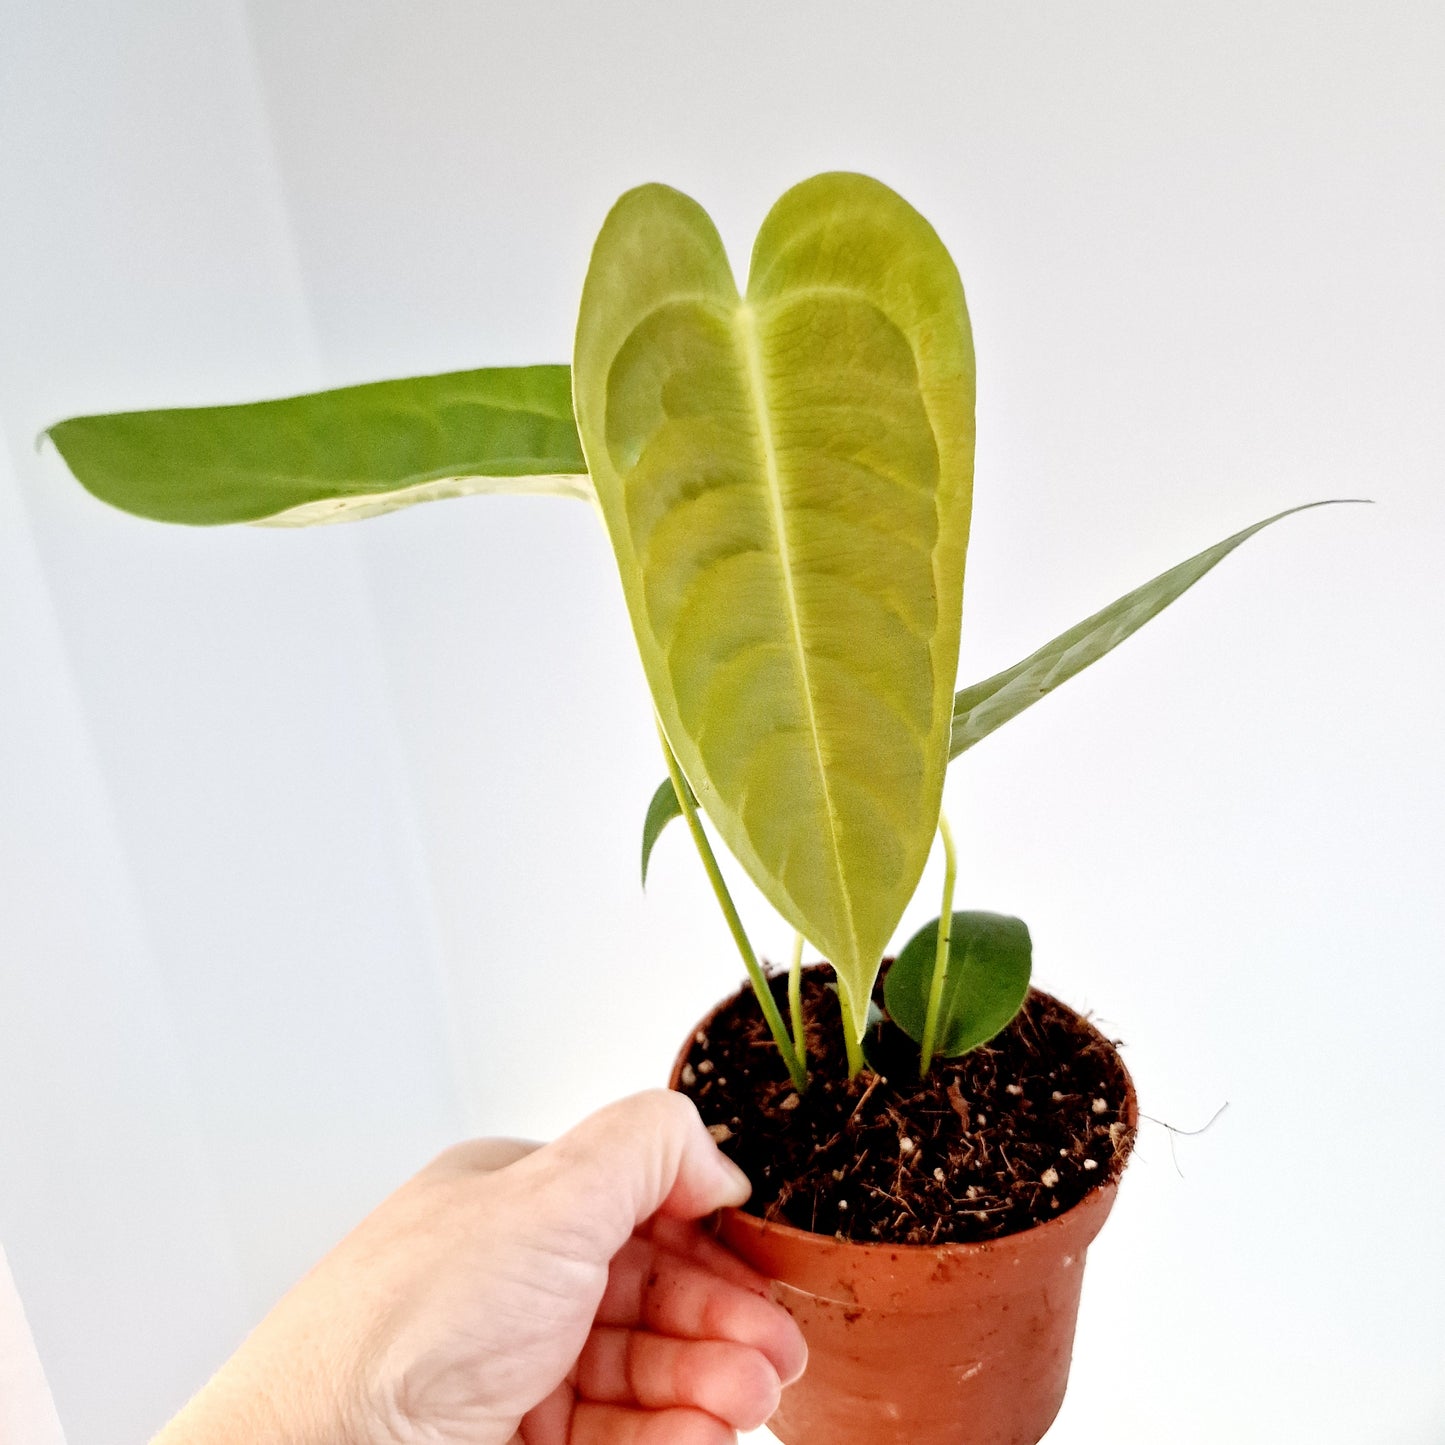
[336, 456]
[786, 478]
[747, 331]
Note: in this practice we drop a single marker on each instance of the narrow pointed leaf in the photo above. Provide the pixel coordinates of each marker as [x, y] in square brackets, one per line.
[335, 455]
[987, 705]
[990, 958]
[786, 477]
[663, 808]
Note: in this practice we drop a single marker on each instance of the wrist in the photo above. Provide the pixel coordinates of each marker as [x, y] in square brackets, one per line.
[247, 1404]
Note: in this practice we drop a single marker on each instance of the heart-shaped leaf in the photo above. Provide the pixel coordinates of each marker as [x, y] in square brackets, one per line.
[990, 957]
[786, 477]
[336, 455]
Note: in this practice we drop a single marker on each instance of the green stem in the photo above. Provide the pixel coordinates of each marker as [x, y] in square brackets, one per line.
[795, 1002]
[940, 960]
[756, 976]
[850, 1037]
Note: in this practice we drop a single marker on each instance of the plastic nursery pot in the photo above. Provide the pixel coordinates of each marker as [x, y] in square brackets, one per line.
[953, 1344]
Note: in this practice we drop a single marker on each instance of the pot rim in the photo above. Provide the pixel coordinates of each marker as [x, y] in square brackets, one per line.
[1097, 1202]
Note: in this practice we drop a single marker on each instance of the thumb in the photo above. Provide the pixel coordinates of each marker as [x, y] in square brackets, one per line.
[641, 1156]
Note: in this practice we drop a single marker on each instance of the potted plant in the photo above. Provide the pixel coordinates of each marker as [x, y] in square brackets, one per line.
[786, 478]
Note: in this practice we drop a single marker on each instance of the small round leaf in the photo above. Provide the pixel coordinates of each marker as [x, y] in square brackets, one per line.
[989, 960]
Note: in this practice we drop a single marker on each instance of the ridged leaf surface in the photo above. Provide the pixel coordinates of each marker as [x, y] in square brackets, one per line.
[786, 476]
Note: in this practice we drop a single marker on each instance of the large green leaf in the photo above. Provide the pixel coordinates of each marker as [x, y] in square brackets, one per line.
[979, 709]
[786, 478]
[336, 455]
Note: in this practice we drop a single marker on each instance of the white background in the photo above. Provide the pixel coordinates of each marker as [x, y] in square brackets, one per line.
[318, 850]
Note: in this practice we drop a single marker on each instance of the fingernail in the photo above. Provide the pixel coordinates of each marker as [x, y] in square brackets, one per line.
[796, 1373]
[736, 1185]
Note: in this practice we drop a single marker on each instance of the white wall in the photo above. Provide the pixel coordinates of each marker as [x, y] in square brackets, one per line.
[319, 849]
[27, 1413]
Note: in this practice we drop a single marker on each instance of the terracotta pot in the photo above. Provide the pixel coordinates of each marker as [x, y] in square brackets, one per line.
[954, 1344]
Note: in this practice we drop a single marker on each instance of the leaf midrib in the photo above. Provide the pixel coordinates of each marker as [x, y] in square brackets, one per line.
[745, 328]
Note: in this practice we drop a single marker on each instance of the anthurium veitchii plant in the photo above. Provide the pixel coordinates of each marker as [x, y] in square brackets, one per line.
[785, 474]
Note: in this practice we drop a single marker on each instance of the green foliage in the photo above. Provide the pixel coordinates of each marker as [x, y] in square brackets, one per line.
[786, 476]
[663, 808]
[336, 455]
[786, 479]
[986, 980]
[987, 705]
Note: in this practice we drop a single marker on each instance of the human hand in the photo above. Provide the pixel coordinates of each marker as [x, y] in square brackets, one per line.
[562, 1295]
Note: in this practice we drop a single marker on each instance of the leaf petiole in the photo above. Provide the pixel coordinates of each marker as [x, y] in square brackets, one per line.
[850, 1038]
[940, 960]
[795, 1003]
[779, 1030]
